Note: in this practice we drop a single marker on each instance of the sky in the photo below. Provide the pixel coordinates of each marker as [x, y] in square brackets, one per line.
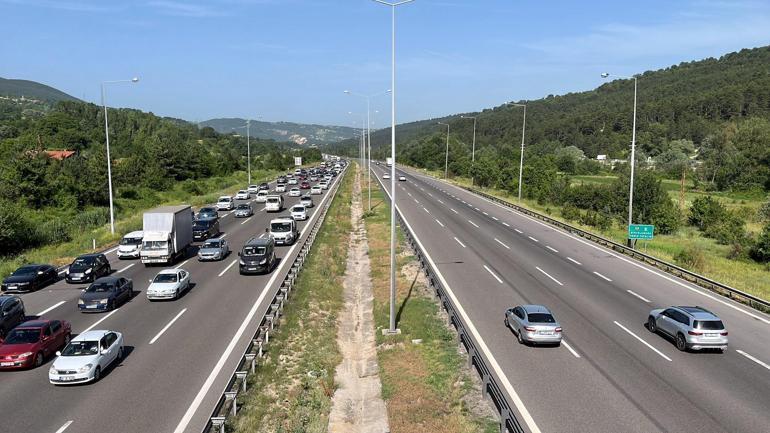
[291, 60]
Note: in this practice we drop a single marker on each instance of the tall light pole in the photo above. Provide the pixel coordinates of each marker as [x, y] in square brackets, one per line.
[107, 136]
[633, 162]
[248, 145]
[368, 144]
[523, 130]
[473, 151]
[392, 328]
[446, 159]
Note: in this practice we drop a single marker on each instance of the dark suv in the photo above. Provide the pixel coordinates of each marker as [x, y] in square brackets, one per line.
[87, 268]
[205, 228]
[207, 213]
[11, 313]
[257, 256]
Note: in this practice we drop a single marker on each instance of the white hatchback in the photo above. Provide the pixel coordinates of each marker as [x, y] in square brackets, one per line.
[299, 213]
[261, 196]
[316, 190]
[242, 195]
[295, 192]
[86, 357]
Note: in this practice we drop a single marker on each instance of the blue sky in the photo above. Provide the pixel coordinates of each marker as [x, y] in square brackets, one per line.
[291, 59]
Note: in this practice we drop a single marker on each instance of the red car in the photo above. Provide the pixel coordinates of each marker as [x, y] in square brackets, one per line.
[304, 185]
[29, 344]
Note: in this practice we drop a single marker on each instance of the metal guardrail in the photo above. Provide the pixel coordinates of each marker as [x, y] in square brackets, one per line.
[476, 358]
[227, 405]
[700, 280]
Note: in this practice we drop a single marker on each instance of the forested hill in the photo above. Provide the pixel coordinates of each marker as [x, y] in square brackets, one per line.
[299, 133]
[32, 90]
[707, 102]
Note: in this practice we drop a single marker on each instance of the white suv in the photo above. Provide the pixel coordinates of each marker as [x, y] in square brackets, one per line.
[225, 202]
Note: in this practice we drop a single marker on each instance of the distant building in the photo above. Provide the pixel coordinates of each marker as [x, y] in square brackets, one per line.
[601, 157]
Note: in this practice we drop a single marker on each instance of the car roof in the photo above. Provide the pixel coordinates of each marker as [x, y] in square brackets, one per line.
[298, 205]
[258, 242]
[535, 309]
[32, 265]
[169, 271]
[95, 334]
[92, 255]
[4, 298]
[698, 313]
[107, 279]
[36, 323]
[217, 239]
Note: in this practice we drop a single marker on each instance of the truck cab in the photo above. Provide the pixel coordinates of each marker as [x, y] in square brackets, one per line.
[284, 231]
[131, 245]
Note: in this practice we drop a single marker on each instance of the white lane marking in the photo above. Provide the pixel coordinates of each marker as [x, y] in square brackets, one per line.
[64, 427]
[499, 242]
[638, 296]
[63, 271]
[493, 274]
[461, 244]
[246, 220]
[439, 223]
[223, 236]
[549, 276]
[183, 263]
[506, 224]
[49, 309]
[485, 213]
[473, 223]
[643, 342]
[185, 421]
[416, 201]
[121, 270]
[262, 235]
[754, 359]
[495, 218]
[602, 276]
[452, 210]
[100, 320]
[552, 248]
[227, 268]
[476, 208]
[112, 250]
[574, 261]
[425, 209]
[533, 239]
[409, 194]
[429, 194]
[519, 231]
[439, 200]
[570, 348]
[165, 328]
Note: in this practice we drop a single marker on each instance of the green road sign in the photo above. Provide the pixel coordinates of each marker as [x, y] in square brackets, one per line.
[641, 231]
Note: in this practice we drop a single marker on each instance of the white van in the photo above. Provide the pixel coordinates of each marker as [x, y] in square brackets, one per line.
[225, 202]
[274, 203]
[131, 245]
[284, 230]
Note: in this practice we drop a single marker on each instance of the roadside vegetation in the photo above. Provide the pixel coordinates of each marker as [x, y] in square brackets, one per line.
[292, 390]
[425, 382]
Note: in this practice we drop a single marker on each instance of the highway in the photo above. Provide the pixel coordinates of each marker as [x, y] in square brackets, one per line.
[180, 354]
[611, 374]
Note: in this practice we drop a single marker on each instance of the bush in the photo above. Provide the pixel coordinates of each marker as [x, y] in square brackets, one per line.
[129, 193]
[90, 218]
[570, 213]
[191, 187]
[727, 230]
[761, 249]
[692, 258]
[15, 229]
[705, 211]
[54, 231]
[763, 214]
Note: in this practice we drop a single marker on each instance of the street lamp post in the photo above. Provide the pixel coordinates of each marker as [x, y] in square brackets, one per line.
[392, 328]
[521, 157]
[248, 145]
[633, 162]
[473, 150]
[446, 158]
[107, 137]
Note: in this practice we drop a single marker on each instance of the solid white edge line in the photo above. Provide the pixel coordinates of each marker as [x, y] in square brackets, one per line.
[642, 341]
[123, 269]
[552, 248]
[458, 241]
[754, 359]
[602, 276]
[574, 261]
[187, 417]
[549, 276]
[526, 416]
[51, 308]
[100, 320]
[440, 223]
[493, 274]
[638, 296]
[570, 348]
[165, 328]
[499, 242]
[473, 223]
[64, 427]
[183, 263]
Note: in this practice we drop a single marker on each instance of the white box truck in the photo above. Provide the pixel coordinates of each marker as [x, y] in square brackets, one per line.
[167, 234]
[388, 161]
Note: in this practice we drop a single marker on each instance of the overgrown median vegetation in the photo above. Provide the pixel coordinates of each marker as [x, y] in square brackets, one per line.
[425, 383]
[292, 390]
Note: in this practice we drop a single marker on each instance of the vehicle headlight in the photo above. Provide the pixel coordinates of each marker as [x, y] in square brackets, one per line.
[103, 301]
[67, 272]
[241, 262]
[80, 302]
[88, 271]
[26, 354]
[263, 261]
[85, 369]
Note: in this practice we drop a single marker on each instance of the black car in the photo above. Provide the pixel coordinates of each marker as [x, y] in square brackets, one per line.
[207, 213]
[11, 313]
[105, 294]
[204, 229]
[30, 277]
[264, 186]
[257, 256]
[88, 267]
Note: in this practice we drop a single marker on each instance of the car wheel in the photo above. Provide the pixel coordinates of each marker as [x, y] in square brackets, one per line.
[111, 306]
[518, 337]
[681, 343]
[120, 354]
[651, 325]
[38, 359]
[176, 294]
[97, 374]
[507, 325]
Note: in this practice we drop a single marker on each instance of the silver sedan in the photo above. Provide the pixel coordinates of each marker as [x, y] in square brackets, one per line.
[169, 284]
[533, 324]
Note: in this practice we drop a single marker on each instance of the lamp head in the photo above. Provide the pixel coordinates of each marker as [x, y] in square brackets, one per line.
[605, 74]
[135, 80]
[347, 91]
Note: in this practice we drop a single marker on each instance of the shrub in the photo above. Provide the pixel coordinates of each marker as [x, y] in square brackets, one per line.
[191, 187]
[54, 231]
[570, 213]
[761, 249]
[90, 218]
[727, 230]
[129, 193]
[763, 214]
[691, 257]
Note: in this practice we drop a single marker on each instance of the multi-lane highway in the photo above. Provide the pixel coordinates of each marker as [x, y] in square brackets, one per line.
[180, 353]
[611, 374]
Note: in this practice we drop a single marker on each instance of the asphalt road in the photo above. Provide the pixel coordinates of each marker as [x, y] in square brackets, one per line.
[173, 383]
[610, 374]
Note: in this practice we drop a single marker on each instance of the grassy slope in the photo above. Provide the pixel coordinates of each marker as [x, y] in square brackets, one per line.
[292, 389]
[742, 274]
[424, 385]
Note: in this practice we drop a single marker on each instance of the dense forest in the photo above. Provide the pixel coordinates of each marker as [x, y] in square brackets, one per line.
[44, 197]
[708, 120]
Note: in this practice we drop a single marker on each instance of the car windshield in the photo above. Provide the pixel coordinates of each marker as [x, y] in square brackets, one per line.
[541, 318]
[242, 192]
[23, 336]
[81, 348]
[708, 325]
[131, 241]
[211, 244]
[280, 227]
[154, 245]
[100, 288]
[83, 262]
[224, 200]
[254, 251]
[243, 207]
[207, 210]
[165, 278]
[201, 225]
[298, 209]
[25, 270]
[272, 200]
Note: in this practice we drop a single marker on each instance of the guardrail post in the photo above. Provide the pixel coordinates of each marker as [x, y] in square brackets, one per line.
[251, 359]
[231, 396]
[218, 422]
[241, 375]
